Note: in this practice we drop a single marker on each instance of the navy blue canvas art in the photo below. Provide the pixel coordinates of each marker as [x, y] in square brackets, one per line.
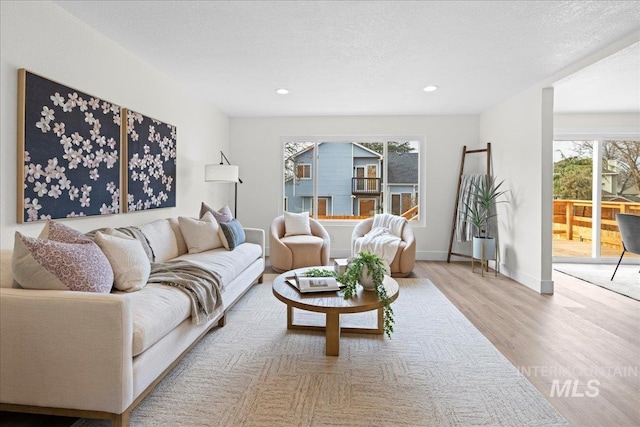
[151, 163]
[69, 143]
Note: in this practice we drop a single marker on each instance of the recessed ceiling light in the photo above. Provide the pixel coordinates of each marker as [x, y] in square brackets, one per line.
[282, 91]
[430, 88]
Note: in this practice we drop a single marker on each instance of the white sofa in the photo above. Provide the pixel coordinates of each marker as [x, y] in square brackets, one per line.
[97, 355]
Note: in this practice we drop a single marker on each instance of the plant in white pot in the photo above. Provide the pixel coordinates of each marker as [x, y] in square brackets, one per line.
[367, 270]
[485, 194]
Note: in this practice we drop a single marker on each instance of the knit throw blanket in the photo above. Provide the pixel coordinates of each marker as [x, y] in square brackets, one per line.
[464, 226]
[203, 287]
[383, 239]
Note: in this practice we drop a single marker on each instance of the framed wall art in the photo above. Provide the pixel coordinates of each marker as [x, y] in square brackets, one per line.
[68, 151]
[150, 166]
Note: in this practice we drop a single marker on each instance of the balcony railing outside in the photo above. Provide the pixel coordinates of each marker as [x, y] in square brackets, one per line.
[365, 186]
[572, 222]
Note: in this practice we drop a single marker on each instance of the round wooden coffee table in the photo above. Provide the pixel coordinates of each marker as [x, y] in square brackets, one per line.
[332, 304]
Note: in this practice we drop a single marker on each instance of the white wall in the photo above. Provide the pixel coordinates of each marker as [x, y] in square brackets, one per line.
[47, 40]
[256, 148]
[523, 127]
[515, 129]
[604, 124]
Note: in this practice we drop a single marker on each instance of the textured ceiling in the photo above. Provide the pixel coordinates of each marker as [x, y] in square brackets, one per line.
[611, 85]
[359, 57]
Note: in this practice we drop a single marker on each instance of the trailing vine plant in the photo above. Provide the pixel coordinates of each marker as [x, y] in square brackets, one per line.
[376, 268]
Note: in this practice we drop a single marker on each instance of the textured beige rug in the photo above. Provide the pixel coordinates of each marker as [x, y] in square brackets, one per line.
[438, 370]
[625, 282]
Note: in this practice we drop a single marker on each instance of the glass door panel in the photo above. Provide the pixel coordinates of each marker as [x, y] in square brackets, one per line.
[572, 194]
[620, 191]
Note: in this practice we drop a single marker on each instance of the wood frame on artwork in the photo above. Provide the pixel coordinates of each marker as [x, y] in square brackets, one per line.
[68, 154]
[149, 165]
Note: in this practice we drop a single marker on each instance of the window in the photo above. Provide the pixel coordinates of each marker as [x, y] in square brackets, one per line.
[303, 171]
[352, 179]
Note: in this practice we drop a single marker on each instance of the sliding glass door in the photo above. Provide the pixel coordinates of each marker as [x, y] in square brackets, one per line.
[593, 180]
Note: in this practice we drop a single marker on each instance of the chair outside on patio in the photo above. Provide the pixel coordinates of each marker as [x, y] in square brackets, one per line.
[629, 226]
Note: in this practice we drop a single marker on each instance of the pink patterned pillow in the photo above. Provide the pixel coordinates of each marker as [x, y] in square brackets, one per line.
[61, 258]
[222, 215]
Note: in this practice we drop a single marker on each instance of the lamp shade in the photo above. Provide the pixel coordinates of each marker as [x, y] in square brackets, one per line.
[224, 173]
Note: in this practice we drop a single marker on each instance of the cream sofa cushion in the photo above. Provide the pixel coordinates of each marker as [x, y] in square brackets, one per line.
[156, 310]
[200, 235]
[127, 257]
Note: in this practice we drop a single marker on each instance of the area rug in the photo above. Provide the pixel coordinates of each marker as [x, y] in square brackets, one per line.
[437, 370]
[625, 282]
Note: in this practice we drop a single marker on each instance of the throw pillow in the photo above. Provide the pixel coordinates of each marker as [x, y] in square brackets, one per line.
[130, 264]
[222, 215]
[62, 259]
[232, 234]
[200, 235]
[161, 239]
[296, 223]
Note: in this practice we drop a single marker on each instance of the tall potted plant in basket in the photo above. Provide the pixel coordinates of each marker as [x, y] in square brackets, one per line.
[480, 208]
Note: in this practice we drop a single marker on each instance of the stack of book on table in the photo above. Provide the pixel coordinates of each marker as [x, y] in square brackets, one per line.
[313, 284]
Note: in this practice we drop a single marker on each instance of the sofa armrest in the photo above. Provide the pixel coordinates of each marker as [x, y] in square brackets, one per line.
[255, 235]
[66, 349]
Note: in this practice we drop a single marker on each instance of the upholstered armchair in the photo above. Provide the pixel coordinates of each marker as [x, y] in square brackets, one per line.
[405, 258]
[297, 251]
[629, 226]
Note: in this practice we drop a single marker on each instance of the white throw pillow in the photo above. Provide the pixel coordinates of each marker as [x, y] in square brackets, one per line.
[296, 223]
[130, 264]
[200, 235]
[162, 239]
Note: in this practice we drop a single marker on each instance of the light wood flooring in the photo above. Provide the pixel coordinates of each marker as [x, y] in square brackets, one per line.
[580, 333]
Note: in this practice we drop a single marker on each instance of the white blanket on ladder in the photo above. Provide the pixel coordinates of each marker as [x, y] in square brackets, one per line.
[384, 237]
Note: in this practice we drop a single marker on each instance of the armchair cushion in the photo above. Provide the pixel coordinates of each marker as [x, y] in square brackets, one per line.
[296, 223]
[300, 250]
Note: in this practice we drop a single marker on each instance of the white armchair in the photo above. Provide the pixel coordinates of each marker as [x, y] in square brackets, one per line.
[405, 258]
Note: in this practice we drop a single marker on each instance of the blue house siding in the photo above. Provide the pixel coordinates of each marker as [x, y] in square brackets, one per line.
[336, 167]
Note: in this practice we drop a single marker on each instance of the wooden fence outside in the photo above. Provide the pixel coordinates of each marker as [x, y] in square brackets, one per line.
[572, 220]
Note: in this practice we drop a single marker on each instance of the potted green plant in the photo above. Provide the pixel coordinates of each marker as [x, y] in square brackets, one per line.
[485, 194]
[368, 270]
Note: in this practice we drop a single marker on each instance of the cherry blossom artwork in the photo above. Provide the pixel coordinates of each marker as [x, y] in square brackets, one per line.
[69, 143]
[151, 163]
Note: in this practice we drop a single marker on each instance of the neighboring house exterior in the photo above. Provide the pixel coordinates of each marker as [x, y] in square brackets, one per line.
[350, 178]
[403, 183]
[613, 189]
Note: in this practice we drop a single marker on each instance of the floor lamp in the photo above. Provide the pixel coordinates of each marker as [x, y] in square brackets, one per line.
[224, 173]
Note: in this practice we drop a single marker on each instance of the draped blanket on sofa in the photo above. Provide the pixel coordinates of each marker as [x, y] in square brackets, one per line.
[203, 287]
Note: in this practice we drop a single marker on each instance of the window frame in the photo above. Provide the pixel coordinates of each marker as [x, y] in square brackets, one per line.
[598, 136]
[304, 166]
[386, 195]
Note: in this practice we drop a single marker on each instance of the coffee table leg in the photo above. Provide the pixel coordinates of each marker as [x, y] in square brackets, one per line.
[289, 316]
[333, 334]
